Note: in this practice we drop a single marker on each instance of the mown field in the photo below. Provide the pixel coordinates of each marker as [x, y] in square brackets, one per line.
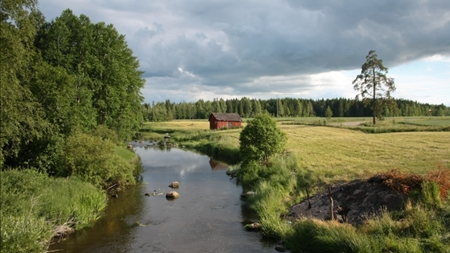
[339, 152]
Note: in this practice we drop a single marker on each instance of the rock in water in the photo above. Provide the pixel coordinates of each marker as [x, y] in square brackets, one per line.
[172, 195]
[174, 184]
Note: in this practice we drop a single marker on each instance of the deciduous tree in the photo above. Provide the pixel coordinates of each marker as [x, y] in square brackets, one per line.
[21, 117]
[261, 139]
[107, 76]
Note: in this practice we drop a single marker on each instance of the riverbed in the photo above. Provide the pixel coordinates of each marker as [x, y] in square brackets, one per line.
[208, 216]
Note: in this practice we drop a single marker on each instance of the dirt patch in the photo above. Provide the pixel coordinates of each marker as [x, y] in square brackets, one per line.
[358, 200]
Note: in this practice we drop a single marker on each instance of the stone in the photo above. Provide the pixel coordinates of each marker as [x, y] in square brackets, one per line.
[174, 184]
[172, 195]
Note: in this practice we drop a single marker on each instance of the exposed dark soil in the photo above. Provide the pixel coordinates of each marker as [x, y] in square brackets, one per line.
[360, 199]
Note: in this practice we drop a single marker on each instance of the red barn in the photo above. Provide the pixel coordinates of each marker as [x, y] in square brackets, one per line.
[220, 120]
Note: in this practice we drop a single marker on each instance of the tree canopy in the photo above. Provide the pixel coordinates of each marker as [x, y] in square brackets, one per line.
[59, 78]
[261, 139]
[373, 85]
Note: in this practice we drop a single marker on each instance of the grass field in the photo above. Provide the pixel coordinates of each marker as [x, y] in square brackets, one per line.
[338, 153]
[321, 155]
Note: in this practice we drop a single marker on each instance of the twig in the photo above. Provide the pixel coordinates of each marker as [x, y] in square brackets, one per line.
[115, 184]
[331, 203]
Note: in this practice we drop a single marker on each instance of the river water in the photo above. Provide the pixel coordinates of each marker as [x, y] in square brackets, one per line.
[207, 217]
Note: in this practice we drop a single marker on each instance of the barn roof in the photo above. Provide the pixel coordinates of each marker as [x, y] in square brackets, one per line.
[226, 116]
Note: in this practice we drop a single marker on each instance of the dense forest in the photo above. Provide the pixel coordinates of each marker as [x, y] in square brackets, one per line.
[286, 107]
[60, 78]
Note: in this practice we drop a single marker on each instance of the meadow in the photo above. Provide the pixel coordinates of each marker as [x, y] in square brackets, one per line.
[338, 152]
[321, 152]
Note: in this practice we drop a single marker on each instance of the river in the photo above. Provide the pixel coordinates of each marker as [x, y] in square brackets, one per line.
[207, 217]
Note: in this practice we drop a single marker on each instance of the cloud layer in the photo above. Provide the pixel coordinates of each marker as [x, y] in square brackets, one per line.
[202, 48]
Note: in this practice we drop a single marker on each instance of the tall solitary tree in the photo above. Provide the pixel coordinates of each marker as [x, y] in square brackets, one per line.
[373, 85]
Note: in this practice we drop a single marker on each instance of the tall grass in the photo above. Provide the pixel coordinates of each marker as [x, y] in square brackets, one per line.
[423, 226]
[33, 205]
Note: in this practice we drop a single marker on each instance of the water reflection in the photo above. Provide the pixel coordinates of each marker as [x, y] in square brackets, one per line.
[207, 216]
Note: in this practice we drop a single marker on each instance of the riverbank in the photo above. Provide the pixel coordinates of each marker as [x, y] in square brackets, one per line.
[317, 157]
[37, 209]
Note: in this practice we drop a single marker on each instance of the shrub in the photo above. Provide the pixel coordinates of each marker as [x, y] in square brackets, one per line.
[261, 139]
[105, 133]
[94, 160]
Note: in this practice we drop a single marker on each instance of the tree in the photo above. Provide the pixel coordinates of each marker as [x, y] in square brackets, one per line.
[373, 85]
[21, 116]
[107, 79]
[261, 139]
[328, 113]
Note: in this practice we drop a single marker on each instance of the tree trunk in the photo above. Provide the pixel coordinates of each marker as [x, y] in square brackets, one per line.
[373, 98]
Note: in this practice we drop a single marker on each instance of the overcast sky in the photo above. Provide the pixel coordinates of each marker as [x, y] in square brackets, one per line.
[287, 48]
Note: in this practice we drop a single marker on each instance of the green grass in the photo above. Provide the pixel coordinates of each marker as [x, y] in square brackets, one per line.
[33, 205]
[126, 154]
[427, 121]
[319, 155]
[335, 154]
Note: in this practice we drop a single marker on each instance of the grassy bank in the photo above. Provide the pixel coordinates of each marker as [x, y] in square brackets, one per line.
[36, 208]
[423, 226]
[222, 145]
[317, 156]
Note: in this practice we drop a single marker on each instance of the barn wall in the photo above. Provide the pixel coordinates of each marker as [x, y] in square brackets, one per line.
[222, 124]
[215, 124]
[211, 124]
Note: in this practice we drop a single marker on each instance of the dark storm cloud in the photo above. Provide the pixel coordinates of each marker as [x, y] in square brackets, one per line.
[234, 44]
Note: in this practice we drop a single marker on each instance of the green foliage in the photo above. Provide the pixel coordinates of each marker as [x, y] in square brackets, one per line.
[105, 133]
[318, 236]
[21, 117]
[328, 113]
[218, 151]
[34, 204]
[107, 82]
[94, 160]
[24, 234]
[261, 139]
[373, 86]
[290, 107]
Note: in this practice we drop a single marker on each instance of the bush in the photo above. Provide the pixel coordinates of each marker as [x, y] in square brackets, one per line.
[105, 133]
[261, 139]
[94, 160]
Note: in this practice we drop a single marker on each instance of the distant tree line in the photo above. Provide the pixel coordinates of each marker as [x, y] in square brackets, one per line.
[286, 107]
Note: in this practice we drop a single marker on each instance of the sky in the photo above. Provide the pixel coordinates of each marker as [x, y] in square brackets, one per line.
[205, 49]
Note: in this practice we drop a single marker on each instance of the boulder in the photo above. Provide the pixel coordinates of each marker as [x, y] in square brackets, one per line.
[174, 184]
[172, 195]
